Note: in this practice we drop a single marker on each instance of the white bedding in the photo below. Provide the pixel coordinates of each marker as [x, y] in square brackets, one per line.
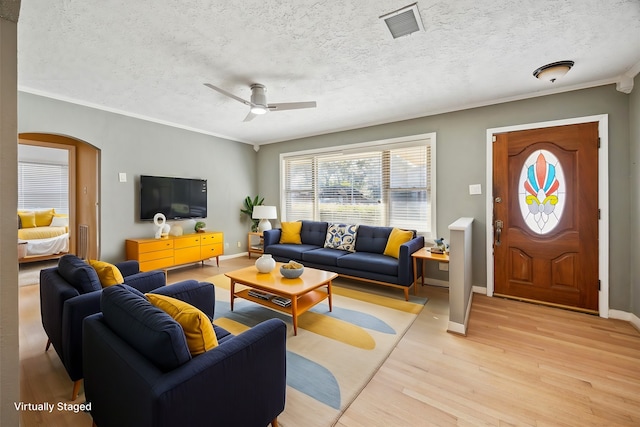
[50, 246]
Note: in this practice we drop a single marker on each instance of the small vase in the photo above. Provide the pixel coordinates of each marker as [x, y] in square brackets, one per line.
[265, 263]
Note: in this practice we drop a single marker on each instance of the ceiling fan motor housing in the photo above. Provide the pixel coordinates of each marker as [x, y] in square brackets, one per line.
[258, 96]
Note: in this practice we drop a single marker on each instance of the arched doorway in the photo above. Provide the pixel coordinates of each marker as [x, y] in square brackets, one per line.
[84, 189]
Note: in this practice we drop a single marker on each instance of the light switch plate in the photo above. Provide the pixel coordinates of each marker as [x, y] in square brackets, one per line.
[122, 176]
[475, 189]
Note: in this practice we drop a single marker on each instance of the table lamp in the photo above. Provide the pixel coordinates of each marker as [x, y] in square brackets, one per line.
[264, 214]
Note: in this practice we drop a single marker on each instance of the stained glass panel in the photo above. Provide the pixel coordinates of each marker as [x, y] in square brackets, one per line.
[541, 191]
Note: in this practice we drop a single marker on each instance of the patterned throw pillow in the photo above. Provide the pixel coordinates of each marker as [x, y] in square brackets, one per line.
[341, 236]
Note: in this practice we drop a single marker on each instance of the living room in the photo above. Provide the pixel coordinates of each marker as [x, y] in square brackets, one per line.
[134, 145]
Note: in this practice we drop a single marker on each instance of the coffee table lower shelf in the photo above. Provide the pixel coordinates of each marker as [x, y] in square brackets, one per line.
[299, 304]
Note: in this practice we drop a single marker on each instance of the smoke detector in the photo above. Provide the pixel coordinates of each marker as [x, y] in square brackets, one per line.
[403, 21]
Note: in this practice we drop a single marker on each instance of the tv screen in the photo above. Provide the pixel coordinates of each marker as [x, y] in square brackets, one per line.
[176, 198]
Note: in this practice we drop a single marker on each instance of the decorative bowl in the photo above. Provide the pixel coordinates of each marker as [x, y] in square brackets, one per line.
[289, 272]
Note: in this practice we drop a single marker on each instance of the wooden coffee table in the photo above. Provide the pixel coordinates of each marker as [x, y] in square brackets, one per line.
[303, 292]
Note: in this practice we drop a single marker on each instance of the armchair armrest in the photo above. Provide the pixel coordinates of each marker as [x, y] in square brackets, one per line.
[127, 268]
[74, 312]
[201, 295]
[405, 263]
[271, 237]
[146, 281]
[54, 291]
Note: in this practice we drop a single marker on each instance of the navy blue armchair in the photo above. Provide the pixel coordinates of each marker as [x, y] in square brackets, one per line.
[138, 370]
[69, 293]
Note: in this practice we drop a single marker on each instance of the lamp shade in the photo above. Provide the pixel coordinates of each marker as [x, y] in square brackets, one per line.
[264, 212]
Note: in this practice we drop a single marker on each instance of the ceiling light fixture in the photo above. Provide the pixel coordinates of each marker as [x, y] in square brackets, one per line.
[259, 109]
[258, 99]
[553, 71]
[403, 21]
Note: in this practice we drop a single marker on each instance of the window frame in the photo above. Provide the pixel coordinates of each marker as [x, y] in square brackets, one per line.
[391, 143]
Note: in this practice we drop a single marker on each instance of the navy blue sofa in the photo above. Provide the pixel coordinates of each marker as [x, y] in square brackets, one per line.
[69, 293]
[139, 372]
[367, 263]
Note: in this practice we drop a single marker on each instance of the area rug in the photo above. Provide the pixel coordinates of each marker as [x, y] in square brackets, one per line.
[29, 273]
[335, 354]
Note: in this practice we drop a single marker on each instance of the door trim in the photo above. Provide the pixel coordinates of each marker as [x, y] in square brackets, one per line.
[603, 199]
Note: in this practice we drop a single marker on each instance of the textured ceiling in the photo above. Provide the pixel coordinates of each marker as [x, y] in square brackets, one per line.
[150, 58]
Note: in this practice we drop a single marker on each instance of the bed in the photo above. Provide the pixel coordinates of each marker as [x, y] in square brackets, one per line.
[42, 234]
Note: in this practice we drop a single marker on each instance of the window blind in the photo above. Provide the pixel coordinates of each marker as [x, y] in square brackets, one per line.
[43, 186]
[385, 184]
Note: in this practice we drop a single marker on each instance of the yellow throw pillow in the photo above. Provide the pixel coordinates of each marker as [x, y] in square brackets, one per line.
[27, 218]
[109, 274]
[397, 238]
[291, 232]
[196, 325]
[43, 218]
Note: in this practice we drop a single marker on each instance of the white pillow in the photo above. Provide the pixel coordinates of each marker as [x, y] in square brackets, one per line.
[59, 221]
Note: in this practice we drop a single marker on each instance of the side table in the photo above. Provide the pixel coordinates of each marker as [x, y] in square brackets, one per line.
[424, 254]
[252, 246]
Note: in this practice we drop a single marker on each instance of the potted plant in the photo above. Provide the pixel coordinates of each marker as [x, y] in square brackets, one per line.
[249, 203]
[199, 227]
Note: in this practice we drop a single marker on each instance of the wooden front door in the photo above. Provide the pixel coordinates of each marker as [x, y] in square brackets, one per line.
[545, 198]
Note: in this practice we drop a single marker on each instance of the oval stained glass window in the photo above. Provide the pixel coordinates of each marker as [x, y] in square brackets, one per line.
[541, 191]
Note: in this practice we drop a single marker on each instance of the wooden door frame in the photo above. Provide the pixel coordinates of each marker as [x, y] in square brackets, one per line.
[603, 199]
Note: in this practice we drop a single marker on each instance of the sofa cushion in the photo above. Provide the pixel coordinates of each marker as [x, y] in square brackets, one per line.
[396, 239]
[366, 261]
[108, 274]
[323, 256]
[372, 239]
[27, 219]
[44, 218]
[313, 233]
[290, 251]
[341, 236]
[146, 328]
[79, 274]
[197, 327]
[222, 335]
[291, 232]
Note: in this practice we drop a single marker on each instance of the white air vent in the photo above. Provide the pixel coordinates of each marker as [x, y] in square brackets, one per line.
[404, 21]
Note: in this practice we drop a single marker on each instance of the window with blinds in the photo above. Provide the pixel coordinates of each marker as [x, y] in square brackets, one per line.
[380, 183]
[43, 186]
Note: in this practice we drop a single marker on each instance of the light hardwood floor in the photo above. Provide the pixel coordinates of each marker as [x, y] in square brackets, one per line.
[521, 364]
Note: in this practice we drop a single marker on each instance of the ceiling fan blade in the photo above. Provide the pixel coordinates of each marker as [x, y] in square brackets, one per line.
[291, 105]
[249, 117]
[230, 95]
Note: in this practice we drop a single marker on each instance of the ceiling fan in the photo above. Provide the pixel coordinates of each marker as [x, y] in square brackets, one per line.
[258, 101]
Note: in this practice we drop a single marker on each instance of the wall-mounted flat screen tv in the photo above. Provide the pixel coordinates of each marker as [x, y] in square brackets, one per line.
[176, 198]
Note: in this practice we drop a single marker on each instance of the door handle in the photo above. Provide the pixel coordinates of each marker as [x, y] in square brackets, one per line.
[498, 231]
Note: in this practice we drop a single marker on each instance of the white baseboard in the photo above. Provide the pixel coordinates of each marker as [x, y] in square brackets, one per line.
[437, 282]
[457, 328]
[461, 328]
[479, 290]
[241, 254]
[628, 317]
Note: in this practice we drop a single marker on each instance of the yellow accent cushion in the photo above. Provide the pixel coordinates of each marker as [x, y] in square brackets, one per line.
[43, 218]
[291, 232]
[27, 218]
[197, 327]
[397, 238]
[108, 274]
